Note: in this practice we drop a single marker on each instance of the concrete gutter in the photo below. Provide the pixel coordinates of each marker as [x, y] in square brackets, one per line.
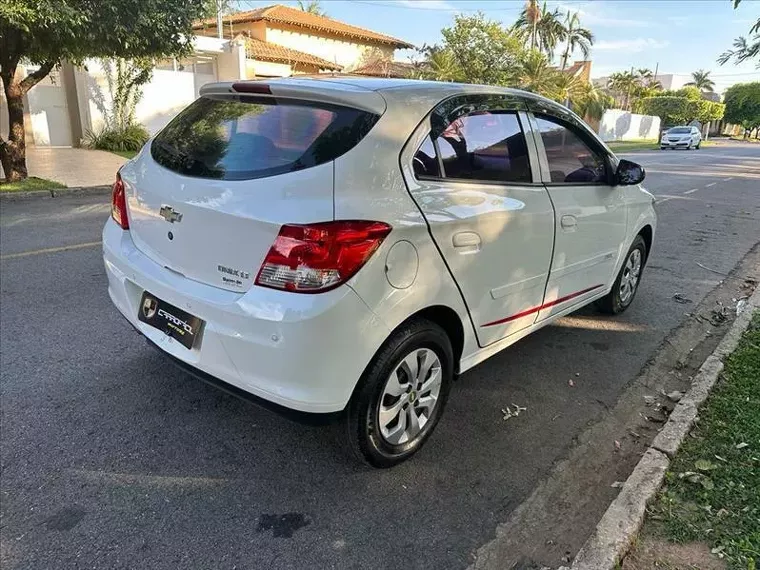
[55, 193]
[621, 522]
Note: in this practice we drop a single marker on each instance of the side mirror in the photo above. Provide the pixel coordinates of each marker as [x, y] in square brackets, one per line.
[629, 173]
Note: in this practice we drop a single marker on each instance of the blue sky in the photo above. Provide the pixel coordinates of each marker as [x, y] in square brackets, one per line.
[680, 35]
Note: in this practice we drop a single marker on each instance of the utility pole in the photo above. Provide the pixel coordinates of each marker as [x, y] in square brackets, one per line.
[219, 22]
[656, 69]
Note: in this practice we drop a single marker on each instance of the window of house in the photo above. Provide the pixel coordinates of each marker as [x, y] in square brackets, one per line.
[570, 159]
[485, 146]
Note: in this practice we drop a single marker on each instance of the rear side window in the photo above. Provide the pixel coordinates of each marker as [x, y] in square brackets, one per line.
[252, 137]
[482, 146]
[425, 161]
[570, 159]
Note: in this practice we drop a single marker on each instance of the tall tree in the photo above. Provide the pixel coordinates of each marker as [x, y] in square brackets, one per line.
[743, 105]
[624, 84]
[312, 7]
[484, 51]
[540, 29]
[744, 49]
[45, 32]
[701, 80]
[537, 75]
[576, 37]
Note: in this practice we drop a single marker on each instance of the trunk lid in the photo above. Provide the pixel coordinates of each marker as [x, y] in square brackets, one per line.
[206, 198]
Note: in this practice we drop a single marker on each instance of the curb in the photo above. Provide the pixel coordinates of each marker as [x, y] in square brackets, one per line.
[55, 193]
[621, 522]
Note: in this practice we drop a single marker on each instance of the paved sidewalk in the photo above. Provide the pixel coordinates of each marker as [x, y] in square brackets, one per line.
[72, 166]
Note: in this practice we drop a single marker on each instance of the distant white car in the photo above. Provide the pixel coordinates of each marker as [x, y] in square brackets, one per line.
[681, 137]
[351, 245]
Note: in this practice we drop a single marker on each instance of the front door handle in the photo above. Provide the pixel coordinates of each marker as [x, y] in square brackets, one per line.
[568, 222]
[466, 240]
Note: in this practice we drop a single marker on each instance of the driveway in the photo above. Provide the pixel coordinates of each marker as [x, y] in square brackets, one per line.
[112, 458]
[72, 166]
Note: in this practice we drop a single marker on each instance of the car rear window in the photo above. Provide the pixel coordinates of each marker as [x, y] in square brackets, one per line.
[242, 138]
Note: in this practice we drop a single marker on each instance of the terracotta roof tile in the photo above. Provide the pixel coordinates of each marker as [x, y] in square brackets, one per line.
[287, 15]
[257, 49]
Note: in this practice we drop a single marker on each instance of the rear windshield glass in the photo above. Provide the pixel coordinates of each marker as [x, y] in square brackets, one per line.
[253, 137]
[680, 131]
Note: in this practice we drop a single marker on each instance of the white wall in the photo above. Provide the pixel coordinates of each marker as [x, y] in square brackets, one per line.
[48, 113]
[620, 125]
[165, 95]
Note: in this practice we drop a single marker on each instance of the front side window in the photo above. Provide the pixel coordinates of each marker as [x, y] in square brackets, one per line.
[485, 146]
[571, 160]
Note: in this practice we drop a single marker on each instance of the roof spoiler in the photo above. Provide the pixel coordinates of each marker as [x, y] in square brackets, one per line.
[319, 90]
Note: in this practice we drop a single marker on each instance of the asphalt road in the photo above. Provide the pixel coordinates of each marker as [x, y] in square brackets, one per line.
[111, 458]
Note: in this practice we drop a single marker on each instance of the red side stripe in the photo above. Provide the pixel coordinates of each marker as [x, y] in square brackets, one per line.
[527, 312]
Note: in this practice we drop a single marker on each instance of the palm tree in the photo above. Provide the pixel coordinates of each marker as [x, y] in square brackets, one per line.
[701, 80]
[537, 75]
[540, 29]
[590, 103]
[312, 7]
[623, 83]
[576, 37]
[567, 87]
[442, 66]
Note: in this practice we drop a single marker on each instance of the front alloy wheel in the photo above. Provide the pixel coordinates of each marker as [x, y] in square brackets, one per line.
[627, 281]
[401, 395]
[630, 277]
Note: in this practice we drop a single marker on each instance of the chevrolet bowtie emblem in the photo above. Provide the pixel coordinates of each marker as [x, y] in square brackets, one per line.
[169, 214]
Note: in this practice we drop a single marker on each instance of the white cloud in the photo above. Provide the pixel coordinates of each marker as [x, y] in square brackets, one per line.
[633, 45]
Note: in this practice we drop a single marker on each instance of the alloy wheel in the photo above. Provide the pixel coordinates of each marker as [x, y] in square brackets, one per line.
[630, 278]
[410, 396]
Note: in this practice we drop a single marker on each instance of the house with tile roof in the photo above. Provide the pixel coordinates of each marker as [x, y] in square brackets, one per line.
[274, 41]
[281, 41]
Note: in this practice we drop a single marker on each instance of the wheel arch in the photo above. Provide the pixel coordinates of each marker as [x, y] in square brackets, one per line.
[647, 234]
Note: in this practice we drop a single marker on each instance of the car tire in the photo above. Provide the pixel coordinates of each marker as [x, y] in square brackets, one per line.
[698, 145]
[378, 439]
[628, 280]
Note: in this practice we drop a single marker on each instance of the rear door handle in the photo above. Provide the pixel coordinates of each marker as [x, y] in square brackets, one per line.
[568, 222]
[468, 240]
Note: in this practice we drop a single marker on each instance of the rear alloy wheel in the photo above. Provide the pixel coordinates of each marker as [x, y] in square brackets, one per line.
[401, 395]
[627, 282]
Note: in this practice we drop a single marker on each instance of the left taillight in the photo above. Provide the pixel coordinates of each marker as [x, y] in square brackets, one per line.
[314, 258]
[119, 203]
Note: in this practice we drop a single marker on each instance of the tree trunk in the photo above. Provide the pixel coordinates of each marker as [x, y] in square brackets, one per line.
[13, 150]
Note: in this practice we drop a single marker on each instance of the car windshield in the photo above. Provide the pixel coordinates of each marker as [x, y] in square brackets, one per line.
[680, 131]
[253, 137]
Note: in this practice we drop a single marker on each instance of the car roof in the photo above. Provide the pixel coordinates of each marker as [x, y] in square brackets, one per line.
[433, 90]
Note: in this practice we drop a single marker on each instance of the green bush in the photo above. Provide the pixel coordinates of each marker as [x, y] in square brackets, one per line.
[675, 110]
[130, 138]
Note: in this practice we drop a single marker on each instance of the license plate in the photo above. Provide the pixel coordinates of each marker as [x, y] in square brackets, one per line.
[172, 321]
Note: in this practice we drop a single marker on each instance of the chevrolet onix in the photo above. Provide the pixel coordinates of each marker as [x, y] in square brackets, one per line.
[352, 245]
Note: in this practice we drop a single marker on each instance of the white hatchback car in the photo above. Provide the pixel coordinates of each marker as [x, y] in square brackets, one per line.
[681, 137]
[350, 245]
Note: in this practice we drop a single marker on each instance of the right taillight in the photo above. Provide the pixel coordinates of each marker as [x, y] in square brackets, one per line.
[119, 203]
[314, 258]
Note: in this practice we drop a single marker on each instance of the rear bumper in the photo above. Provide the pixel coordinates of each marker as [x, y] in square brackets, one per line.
[301, 352]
